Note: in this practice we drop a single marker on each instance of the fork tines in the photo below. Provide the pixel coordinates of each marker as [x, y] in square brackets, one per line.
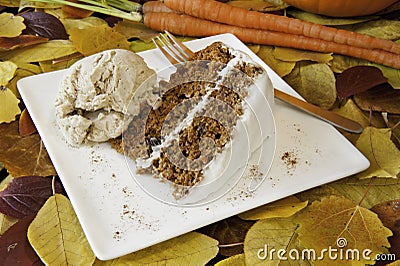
[173, 49]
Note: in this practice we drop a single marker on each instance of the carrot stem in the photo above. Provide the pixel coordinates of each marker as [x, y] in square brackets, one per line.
[185, 25]
[227, 14]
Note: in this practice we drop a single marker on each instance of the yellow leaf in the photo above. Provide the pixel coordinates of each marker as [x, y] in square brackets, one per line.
[7, 72]
[23, 70]
[365, 119]
[6, 222]
[255, 48]
[237, 260]
[271, 234]
[11, 25]
[337, 223]
[4, 183]
[282, 208]
[315, 82]
[9, 3]
[192, 248]
[57, 236]
[295, 55]
[139, 46]
[8, 105]
[255, 5]
[96, 39]
[82, 23]
[62, 63]
[382, 153]
[40, 52]
[371, 191]
[133, 29]
[266, 53]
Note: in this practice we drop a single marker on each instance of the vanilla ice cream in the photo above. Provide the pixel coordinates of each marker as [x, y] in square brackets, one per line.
[94, 94]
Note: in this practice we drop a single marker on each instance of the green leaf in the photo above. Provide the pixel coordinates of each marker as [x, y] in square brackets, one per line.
[383, 155]
[282, 208]
[190, 249]
[338, 223]
[11, 25]
[57, 236]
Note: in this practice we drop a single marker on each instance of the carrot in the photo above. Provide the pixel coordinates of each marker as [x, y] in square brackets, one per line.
[185, 25]
[227, 14]
[155, 6]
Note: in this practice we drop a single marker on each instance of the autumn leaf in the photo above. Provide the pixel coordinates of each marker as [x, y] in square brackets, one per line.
[9, 105]
[268, 234]
[96, 39]
[340, 63]
[230, 234]
[370, 191]
[382, 98]
[192, 248]
[381, 28]
[40, 52]
[23, 70]
[350, 110]
[325, 20]
[338, 223]
[11, 25]
[44, 25]
[26, 125]
[383, 155]
[315, 82]
[282, 68]
[61, 241]
[75, 12]
[358, 79]
[132, 29]
[71, 24]
[6, 222]
[14, 246]
[26, 195]
[237, 260]
[389, 213]
[255, 5]
[282, 208]
[296, 55]
[20, 41]
[7, 72]
[23, 156]
[60, 63]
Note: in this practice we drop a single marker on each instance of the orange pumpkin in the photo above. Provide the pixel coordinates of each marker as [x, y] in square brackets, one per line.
[341, 8]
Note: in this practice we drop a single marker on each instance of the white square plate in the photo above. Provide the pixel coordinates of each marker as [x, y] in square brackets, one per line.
[118, 217]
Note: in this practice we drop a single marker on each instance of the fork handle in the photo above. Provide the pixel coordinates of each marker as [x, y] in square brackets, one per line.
[328, 116]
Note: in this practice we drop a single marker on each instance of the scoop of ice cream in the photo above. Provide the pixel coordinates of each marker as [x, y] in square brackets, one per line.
[93, 97]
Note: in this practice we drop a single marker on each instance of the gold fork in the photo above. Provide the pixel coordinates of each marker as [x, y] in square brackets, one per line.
[176, 52]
